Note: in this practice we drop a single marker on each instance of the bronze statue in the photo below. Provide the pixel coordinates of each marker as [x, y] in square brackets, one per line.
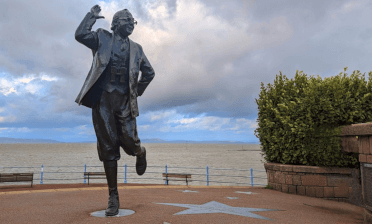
[111, 90]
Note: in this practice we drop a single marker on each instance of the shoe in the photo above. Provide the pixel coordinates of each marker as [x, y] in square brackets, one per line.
[113, 204]
[141, 163]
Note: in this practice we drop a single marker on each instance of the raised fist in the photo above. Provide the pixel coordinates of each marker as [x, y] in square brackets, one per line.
[95, 10]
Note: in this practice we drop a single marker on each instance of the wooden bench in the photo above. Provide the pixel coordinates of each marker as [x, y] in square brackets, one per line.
[177, 175]
[94, 175]
[16, 177]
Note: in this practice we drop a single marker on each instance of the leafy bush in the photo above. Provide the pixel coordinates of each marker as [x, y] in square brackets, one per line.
[300, 120]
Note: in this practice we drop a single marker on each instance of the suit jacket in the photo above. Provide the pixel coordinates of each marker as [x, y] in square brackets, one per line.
[100, 42]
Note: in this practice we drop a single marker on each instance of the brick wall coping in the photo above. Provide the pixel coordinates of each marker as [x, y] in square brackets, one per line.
[305, 169]
[357, 129]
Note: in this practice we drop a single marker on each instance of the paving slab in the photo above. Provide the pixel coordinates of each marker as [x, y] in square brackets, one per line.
[75, 203]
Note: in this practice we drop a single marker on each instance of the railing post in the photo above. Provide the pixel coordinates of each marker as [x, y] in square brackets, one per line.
[85, 170]
[41, 175]
[166, 171]
[207, 176]
[251, 176]
[125, 174]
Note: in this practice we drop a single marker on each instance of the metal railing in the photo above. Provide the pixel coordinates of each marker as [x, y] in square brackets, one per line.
[153, 174]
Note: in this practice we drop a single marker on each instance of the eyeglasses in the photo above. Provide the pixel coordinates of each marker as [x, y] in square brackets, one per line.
[129, 20]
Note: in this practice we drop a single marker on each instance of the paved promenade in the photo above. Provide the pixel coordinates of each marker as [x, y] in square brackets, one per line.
[172, 204]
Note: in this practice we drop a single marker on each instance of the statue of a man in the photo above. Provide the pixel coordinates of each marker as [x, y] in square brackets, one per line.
[111, 90]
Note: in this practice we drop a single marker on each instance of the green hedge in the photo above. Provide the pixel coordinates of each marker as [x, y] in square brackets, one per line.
[300, 120]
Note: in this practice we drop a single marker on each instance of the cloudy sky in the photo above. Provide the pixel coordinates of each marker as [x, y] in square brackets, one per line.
[209, 57]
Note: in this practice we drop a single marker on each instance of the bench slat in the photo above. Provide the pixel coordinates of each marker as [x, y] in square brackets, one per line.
[17, 174]
[95, 173]
[94, 177]
[177, 180]
[8, 179]
[24, 174]
[25, 178]
[5, 175]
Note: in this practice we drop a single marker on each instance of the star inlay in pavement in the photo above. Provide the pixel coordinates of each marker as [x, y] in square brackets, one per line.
[188, 191]
[216, 207]
[243, 192]
[232, 197]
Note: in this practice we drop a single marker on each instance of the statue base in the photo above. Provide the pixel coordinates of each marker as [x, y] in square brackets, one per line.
[122, 212]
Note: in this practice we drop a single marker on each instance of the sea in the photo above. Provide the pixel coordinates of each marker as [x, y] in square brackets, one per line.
[60, 163]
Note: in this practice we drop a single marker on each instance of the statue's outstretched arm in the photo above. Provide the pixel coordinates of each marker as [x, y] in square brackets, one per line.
[83, 33]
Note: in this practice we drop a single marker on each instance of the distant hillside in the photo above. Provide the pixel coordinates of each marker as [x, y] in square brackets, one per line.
[153, 140]
[25, 141]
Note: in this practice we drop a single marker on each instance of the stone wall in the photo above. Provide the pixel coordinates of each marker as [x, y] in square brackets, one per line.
[340, 184]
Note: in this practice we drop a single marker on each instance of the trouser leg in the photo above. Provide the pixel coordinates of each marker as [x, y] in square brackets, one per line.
[126, 126]
[105, 128]
[131, 143]
[128, 135]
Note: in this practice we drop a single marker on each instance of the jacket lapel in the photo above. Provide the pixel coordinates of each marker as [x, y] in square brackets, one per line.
[111, 43]
[132, 55]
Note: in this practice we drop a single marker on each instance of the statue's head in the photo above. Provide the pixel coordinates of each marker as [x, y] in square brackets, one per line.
[123, 22]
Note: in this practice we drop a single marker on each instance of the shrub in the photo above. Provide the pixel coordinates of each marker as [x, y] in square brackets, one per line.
[300, 120]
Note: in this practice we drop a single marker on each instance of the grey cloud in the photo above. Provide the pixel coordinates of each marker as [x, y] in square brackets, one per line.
[318, 46]
[200, 69]
[307, 12]
[230, 10]
[38, 37]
